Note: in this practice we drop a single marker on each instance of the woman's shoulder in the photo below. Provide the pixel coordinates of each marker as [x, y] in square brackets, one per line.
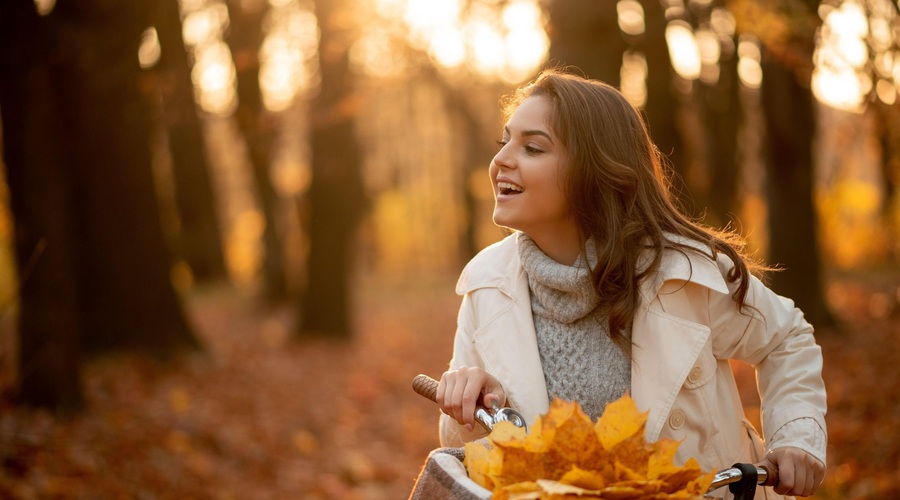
[689, 260]
[495, 265]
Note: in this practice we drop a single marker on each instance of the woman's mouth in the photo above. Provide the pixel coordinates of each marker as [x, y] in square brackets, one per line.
[508, 188]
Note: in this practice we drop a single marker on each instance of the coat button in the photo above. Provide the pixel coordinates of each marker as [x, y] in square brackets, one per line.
[695, 375]
[676, 419]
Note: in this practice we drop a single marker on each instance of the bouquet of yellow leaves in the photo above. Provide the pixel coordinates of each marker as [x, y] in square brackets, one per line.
[565, 455]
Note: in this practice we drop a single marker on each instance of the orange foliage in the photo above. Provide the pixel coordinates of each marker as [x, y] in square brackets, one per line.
[260, 417]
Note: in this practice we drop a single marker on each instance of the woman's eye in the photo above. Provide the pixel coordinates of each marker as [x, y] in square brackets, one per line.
[533, 150]
[502, 143]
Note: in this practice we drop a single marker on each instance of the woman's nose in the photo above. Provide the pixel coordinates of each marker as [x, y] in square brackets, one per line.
[503, 158]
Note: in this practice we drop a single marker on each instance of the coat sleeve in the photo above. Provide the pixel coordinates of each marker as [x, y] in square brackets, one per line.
[771, 334]
[452, 434]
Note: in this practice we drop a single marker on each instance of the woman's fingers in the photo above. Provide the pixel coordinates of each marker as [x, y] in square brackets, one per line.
[799, 473]
[459, 392]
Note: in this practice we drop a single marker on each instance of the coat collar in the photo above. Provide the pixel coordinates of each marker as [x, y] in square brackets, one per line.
[685, 260]
[666, 346]
[497, 266]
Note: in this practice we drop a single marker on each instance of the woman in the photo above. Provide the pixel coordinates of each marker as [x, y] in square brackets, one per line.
[605, 287]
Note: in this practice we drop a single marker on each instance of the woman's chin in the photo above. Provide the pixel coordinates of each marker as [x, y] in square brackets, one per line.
[502, 221]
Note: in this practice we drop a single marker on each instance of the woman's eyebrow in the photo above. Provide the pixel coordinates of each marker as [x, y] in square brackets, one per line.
[531, 132]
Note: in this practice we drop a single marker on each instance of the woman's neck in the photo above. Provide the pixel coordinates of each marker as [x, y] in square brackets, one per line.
[563, 245]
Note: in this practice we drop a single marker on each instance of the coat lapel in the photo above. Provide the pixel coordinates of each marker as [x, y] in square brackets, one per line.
[664, 350]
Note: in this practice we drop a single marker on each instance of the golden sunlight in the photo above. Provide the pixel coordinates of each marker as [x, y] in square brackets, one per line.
[839, 80]
[631, 17]
[886, 92]
[683, 49]
[526, 41]
[749, 57]
[213, 73]
[499, 41]
[287, 52]
[447, 46]
[710, 51]
[204, 25]
[633, 76]
[214, 78]
[375, 53]
[423, 17]
[44, 7]
[486, 46]
[149, 51]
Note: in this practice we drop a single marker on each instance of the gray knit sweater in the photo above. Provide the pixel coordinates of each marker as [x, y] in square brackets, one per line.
[580, 362]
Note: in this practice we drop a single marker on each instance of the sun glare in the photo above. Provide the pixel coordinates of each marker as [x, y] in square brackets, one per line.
[498, 41]
[447, 46]
[424, 16]
[486, 46]
[634, 78]
[749, 67]
[214, 77]
[149, 51]
[290, 46]
[710, 51]
[839, 79]
[683, 50]
[213, 73]
[631, 17]
[204, 25]
[44, 7]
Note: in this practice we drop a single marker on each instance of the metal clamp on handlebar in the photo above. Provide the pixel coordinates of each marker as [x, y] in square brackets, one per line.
[427, 387]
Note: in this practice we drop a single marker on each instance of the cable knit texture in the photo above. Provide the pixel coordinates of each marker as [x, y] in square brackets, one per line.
[580, 362]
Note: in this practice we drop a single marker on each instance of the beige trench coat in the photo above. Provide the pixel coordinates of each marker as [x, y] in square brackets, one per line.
[685, 330]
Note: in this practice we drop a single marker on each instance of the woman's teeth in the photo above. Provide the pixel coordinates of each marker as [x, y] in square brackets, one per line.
[508, 188]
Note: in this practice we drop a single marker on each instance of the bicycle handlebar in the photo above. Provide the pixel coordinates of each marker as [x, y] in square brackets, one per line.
[427, 387]
[765, 476]
[733, 477]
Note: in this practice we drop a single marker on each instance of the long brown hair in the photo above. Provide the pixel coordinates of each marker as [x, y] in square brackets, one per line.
[619, 190]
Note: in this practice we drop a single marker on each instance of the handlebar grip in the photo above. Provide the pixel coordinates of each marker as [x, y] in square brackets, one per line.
[425, 386]
[771, 475]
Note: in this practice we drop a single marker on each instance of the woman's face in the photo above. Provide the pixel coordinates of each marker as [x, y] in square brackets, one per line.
[527, 174]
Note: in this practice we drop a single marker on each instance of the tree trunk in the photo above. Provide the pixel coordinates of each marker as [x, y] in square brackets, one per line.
[585, 34]
[124, 265]
[889, 132]
[199, 238]
[41, 204]
[793, 235]
[258, 128]
[336, 194]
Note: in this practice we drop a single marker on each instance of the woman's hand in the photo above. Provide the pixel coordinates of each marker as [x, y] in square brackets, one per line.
[459, 391]
[799, 473]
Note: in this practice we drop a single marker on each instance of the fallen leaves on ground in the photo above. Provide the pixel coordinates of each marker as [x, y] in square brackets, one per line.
[259, 416]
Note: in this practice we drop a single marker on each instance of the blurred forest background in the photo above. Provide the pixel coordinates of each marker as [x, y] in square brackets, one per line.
[230, 229]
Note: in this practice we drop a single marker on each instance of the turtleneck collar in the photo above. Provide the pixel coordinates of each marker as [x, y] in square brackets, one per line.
[559, 292]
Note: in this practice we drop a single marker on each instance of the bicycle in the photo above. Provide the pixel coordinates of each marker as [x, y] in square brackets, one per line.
[741, 478]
